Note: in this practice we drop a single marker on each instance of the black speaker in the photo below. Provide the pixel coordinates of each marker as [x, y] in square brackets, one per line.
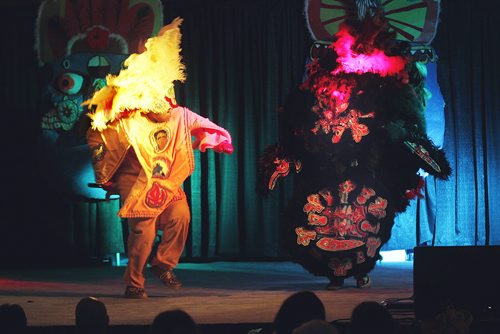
[465, 277]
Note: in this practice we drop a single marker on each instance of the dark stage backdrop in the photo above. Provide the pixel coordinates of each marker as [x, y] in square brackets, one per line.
[468, 44]
[242, 58]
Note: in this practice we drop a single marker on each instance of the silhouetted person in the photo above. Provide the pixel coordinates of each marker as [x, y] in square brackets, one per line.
[316, 327]
[12, 319]
[174, 322]
[371, 317]
[297, 309]
[91, 316]
[451, 321]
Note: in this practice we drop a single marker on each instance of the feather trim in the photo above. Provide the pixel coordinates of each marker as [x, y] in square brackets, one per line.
[145, 82]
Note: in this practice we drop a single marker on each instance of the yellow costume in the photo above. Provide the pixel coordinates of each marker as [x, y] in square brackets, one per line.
[141, 145]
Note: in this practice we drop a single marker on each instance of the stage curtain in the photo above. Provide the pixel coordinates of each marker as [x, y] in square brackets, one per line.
[242, 58]
[468, 45]
[462, 211]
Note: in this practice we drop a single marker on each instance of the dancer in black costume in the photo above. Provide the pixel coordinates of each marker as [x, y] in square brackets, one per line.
[354, 136]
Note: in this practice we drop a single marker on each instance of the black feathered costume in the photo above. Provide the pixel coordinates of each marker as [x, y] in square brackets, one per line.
[353, 134]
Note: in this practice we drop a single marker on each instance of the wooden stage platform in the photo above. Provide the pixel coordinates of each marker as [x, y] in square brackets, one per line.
[214, 293]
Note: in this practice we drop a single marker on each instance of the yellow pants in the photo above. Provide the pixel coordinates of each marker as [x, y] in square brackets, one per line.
[174, 224]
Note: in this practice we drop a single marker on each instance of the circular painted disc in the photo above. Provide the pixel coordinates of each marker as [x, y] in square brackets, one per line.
[413, 20]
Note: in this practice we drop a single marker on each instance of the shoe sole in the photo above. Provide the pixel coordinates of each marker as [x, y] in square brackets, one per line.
[129, 295]
[173, 287]
[333, 287]
[135, 297]
[366, 285]
[168, 285]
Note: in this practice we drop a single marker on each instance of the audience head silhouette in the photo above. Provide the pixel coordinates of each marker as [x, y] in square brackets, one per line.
[12, 319]
[371, 317]
[316, 327]
[91, 316]
[174, 322]
[297, 309]
[451, 321]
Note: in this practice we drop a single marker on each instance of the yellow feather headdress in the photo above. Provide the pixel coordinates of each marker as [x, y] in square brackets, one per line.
[145, 82]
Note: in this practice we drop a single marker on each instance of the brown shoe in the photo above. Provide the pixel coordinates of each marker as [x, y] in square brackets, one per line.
[336, 283]
[167, 277]
[363, 282]
[133, 292]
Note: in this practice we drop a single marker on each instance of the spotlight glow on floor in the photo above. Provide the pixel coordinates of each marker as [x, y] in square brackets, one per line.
[394, 256]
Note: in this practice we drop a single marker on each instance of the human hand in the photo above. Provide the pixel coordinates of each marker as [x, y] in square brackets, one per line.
[110, 188]
[172, 25]
[224, 147]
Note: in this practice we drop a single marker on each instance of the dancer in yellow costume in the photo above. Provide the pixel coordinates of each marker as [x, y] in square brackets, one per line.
[142, 150]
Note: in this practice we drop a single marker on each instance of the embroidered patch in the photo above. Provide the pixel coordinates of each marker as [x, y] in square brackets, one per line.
[343, 220]
[156, 196]
[345, 188]
[365, 195]
[366, 226]
[313, 204]
[372, 244]
[160, 168]
[338, 124]
[160, 138]
[334, 245]
[377, 208]
[304, 236]
[423, 154]
[98, 152]
[283, 169]
[314, 219]
[340, 267]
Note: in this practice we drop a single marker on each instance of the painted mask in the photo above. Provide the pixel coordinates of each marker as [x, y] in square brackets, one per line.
[79, 42]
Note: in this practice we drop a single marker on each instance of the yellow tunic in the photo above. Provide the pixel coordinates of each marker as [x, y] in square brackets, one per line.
[164, 151]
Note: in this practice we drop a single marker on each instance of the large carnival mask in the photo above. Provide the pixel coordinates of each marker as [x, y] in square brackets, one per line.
[78, 43]
[413, 21]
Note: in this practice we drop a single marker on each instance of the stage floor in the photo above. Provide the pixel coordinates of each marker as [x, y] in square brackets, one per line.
[213, 293]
